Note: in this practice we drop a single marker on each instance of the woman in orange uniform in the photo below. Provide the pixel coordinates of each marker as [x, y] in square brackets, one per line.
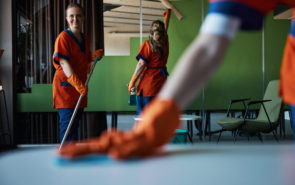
[72, 58]
[151, 66]
[160, 118]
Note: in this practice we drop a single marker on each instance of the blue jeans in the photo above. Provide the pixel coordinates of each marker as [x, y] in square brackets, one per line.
[64, 120]
[292, 107]
[142, 101]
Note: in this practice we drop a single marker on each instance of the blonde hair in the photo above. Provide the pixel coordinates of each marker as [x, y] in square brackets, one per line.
[158, 47]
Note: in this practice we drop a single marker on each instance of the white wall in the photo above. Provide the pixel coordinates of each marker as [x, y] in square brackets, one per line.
[117, 41]
[116, 45]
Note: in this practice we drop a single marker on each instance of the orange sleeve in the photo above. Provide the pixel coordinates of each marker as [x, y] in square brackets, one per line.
[144, 52]
[61, 50]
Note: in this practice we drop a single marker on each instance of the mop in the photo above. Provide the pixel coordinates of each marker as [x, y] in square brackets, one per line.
[78, 104]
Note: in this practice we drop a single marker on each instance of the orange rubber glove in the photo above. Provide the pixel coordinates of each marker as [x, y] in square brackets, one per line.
[159, 121]
[98, 53]
[132, 82]
[77, 84]
[167, 14]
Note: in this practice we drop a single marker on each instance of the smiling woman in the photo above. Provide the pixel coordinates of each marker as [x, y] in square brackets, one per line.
[38, 25]
[72, 58]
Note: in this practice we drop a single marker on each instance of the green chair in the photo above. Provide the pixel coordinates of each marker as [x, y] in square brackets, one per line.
[266, 121]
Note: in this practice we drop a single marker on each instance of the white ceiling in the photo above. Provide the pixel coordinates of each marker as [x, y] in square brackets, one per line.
[122, 16]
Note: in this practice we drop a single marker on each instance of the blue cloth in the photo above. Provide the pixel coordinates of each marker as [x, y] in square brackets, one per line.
[139, 56]
[293, 120]
[93, 160]
[64, 120]
[142, 101]
[163, 70]
[292, 29]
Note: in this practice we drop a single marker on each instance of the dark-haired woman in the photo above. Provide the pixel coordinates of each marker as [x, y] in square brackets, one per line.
[151, 67]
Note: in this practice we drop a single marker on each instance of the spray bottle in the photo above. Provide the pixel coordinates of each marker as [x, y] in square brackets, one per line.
[132, 97]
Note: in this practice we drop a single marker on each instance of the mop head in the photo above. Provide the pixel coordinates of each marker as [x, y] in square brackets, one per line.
[83, 161]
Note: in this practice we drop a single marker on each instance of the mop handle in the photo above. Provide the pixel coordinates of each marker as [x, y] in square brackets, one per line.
[77, 105]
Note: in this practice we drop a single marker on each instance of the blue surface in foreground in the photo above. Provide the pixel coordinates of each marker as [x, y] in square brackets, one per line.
[89, 160]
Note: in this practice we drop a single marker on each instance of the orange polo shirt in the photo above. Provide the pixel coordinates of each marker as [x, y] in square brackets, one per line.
[78, 55]
[155, 73]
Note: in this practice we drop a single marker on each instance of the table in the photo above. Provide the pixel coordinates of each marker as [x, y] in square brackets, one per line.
[189, 118]
[200, 164]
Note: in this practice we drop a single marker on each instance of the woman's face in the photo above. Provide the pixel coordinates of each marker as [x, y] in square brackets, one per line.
[75, 17]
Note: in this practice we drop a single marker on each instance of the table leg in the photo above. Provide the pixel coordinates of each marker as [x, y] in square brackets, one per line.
[114, 120]
[200, 129]
[190, 130]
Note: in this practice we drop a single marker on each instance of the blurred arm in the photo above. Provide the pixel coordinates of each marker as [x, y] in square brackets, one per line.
[196, 66]
[200, 60]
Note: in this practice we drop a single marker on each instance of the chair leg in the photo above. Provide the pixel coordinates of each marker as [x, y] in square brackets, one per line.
[220, 135]
[275, 135]
[235, 135]
[259, 137]
[190, 130]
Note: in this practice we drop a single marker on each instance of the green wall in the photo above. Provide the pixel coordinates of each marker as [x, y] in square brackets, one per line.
[240, 74]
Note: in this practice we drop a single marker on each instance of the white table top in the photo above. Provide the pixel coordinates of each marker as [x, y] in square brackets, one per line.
[184, 117]
[204, 164]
